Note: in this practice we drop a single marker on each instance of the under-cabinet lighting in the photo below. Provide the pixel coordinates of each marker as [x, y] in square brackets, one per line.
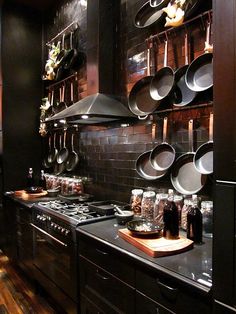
[84, 116]
[62, 121]
[55, 125]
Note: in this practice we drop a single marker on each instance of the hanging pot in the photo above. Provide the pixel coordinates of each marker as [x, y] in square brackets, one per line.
[63, 153]
[53, 153]
[203, 159]
[163, 155]
[73, 157]
[184, 176]
[140, 101]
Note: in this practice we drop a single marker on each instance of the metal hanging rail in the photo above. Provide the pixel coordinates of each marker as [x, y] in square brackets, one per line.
[61, 32]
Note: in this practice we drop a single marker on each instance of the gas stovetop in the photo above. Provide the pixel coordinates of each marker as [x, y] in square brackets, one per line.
[76, 213]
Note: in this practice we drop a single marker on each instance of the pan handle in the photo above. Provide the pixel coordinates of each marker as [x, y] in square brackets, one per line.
[154, 126]
[165, 53]
[186, 53]
[143, 117]
[54, 140]
[64, 139]
[190, 135]
[164, 129]
[148, 61]
[211, 127]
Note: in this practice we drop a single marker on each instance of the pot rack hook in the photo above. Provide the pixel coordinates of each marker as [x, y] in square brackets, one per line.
[166, 35]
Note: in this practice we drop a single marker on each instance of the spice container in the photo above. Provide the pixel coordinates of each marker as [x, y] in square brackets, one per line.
[147, 205]
[207, 218]
[136, 200]
[159, 207]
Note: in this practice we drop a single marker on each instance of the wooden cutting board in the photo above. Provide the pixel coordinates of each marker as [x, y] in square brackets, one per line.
[28, 196]
[157, 247]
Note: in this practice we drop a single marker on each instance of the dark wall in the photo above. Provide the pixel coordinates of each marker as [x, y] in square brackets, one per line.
[22, 92]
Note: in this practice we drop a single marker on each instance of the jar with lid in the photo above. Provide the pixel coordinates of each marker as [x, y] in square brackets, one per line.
[147, 205]
[159, 207]
[136, 200]
[207, 218]
[170, 217]
[186, 207]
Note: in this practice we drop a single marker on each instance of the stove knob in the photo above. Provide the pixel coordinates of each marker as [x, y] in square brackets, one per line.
[44, 218]
[67, 232]
[38, 216]
[59, 228]
[52, 224]
[63, 230]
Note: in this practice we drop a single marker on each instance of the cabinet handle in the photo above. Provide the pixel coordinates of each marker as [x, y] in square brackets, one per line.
[169, 292]
[101, 276]
[101, 252]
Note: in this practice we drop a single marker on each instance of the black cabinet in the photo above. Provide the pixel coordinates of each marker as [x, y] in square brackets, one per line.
[220, 308]
[106, 280]
[145, 305]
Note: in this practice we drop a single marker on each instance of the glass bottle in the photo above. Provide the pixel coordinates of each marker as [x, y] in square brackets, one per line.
[42, 180]
[207, 218]
[159, 207]
[179, 202]
[186, 207]
[194, 222]
[147, 205]
[136, 200]
[30, 178]
[170, 217]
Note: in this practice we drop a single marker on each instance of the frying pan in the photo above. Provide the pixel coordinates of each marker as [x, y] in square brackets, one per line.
[183, 95]
[53, 152]
[184, 176]
[157, 3]
[203, 159]
[199, 75]
[163, 81]
[143, 165]
[163, 155]
[140, 101]
[148, 15]
[73, 157]
[63, 153]
[46, 163]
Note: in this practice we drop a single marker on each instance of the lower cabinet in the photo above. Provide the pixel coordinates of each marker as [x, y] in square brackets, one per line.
[145, 305]
[221, 308]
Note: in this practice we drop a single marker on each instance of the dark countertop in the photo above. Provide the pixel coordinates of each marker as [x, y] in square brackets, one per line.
[193, 267]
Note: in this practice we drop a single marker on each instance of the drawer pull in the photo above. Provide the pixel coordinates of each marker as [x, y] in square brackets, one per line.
[101, 276]
[101, 252]
[167, 291]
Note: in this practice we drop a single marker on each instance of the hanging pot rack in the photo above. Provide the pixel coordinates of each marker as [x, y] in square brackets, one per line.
[61, 32]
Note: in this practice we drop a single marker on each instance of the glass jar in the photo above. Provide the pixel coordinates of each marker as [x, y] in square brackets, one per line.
[78, 186]
[136, 200]
[207, 218]
[147, 205]
[158, 207]
[64, 186]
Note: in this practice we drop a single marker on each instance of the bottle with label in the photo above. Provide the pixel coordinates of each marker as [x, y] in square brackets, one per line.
[170, 217]
[30, 178]
[42, 180]
[194, 222]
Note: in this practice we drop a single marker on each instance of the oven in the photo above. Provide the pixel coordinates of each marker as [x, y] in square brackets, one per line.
[55, 257]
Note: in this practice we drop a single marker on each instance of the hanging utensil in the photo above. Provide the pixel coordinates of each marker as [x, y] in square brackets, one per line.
[73, 157]
[163, 81]
[140, 102]
[203, 159]
[59, 168]
[63, 153]
[199, 75]
[46, 163]
[184, 176]
[163, 155]
[53, 153]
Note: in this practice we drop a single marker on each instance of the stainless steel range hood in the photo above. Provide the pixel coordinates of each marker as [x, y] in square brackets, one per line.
[101, 104]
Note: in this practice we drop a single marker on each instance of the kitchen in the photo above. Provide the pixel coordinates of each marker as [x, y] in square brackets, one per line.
[108, 151]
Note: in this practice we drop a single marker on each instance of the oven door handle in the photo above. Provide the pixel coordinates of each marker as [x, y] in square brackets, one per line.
[49, 235]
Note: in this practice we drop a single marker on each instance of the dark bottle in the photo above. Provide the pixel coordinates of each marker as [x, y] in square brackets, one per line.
[170, 217]
[194, 222]
[42, 180]
[30, 178]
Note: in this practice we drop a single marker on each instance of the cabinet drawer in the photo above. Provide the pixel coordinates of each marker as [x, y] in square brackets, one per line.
[106, 291]
[110, 260]
[170, 294]
[144, 305]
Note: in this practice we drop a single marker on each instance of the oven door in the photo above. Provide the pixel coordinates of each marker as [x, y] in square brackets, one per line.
[56, 260]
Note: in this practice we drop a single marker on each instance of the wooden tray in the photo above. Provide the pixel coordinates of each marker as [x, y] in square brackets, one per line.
[157, 247]
[27, 196]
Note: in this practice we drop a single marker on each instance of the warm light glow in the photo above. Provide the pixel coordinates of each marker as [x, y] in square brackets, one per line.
[62, 121]
[84, 116]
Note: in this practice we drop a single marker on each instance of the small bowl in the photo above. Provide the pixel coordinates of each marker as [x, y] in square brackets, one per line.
[122, 219]
[52, 192]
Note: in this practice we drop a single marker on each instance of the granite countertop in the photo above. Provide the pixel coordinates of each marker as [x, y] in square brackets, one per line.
[193, 267]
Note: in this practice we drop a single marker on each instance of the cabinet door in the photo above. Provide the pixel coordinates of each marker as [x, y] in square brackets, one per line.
[145, 305]
[220, 308]
[88, 307]
[107, 292]
[224, 67]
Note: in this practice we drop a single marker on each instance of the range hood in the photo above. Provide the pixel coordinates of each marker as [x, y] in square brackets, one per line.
[101, 104]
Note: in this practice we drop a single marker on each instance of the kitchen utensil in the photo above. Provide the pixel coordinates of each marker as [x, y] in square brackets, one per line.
[62, 105]
[140, 101]
[63, 153]
[203, 159]
[182, 94]
[46, 163]
[71, 94]
[163, 81]
[73, 157]
[163, 155]
[199, 75]
[184, 176]
[147, 15]
[143, 165]
[53, 153]
[144, 228]
[123, 218]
